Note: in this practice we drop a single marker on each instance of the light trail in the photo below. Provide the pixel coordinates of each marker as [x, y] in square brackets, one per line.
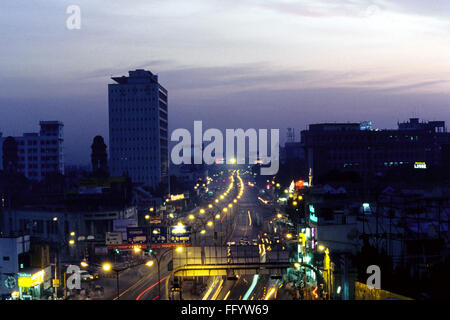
[205, 297]
[143, 292]
[271, 292]
[227, 295]
[249, 218]
[219, 288]
[252, 287]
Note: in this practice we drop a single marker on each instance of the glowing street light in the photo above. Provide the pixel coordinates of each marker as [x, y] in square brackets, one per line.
[202, 211]
[151, 209]
[179, 249]
[210, 224]
[137, 250]
[218, 216]
[289, 236]
[71, 242]
[150, 263]
[191, 217]
[106, 267]
[210, 205]
[203, 231]
[84, 264]
[72, 234]
[147, 217]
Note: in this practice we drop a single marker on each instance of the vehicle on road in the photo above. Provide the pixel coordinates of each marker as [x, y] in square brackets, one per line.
[86, 276]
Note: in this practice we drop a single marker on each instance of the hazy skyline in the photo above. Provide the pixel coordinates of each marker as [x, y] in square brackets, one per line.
[230, 63]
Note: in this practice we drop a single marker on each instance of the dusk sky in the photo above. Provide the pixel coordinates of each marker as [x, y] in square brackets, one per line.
[231, 63]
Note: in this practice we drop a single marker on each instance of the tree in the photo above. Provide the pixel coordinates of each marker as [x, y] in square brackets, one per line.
[99, 158]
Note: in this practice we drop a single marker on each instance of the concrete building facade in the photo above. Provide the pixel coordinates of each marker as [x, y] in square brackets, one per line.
[138, 128]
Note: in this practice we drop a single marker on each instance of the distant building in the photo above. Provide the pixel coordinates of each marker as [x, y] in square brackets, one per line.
[40, 153]
[357, 147]
[138, 128]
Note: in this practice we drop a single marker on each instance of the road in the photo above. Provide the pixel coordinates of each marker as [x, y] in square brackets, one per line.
[246, 219]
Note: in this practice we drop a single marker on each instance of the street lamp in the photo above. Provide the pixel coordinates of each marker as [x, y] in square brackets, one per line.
[327, 267]
[106, 267]
[158, 261]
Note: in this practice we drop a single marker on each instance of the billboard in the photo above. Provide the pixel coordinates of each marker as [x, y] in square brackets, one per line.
[158, 234]
[180, 234]
[137, 235]
[113, 238]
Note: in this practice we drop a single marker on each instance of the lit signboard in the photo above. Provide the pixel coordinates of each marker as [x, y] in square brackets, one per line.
[300, 184]
[158, 234]
[28, 280]
[137, 235]
[24, 282]
[291, 186]
[179, 234]
[175, 197]
[312, 216]
[420, 165]
[179, 229]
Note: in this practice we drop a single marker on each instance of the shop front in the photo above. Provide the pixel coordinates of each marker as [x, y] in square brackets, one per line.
[30, 284]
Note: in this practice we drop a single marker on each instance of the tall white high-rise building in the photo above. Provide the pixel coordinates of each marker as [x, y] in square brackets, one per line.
[40, 153]
[138, 128]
